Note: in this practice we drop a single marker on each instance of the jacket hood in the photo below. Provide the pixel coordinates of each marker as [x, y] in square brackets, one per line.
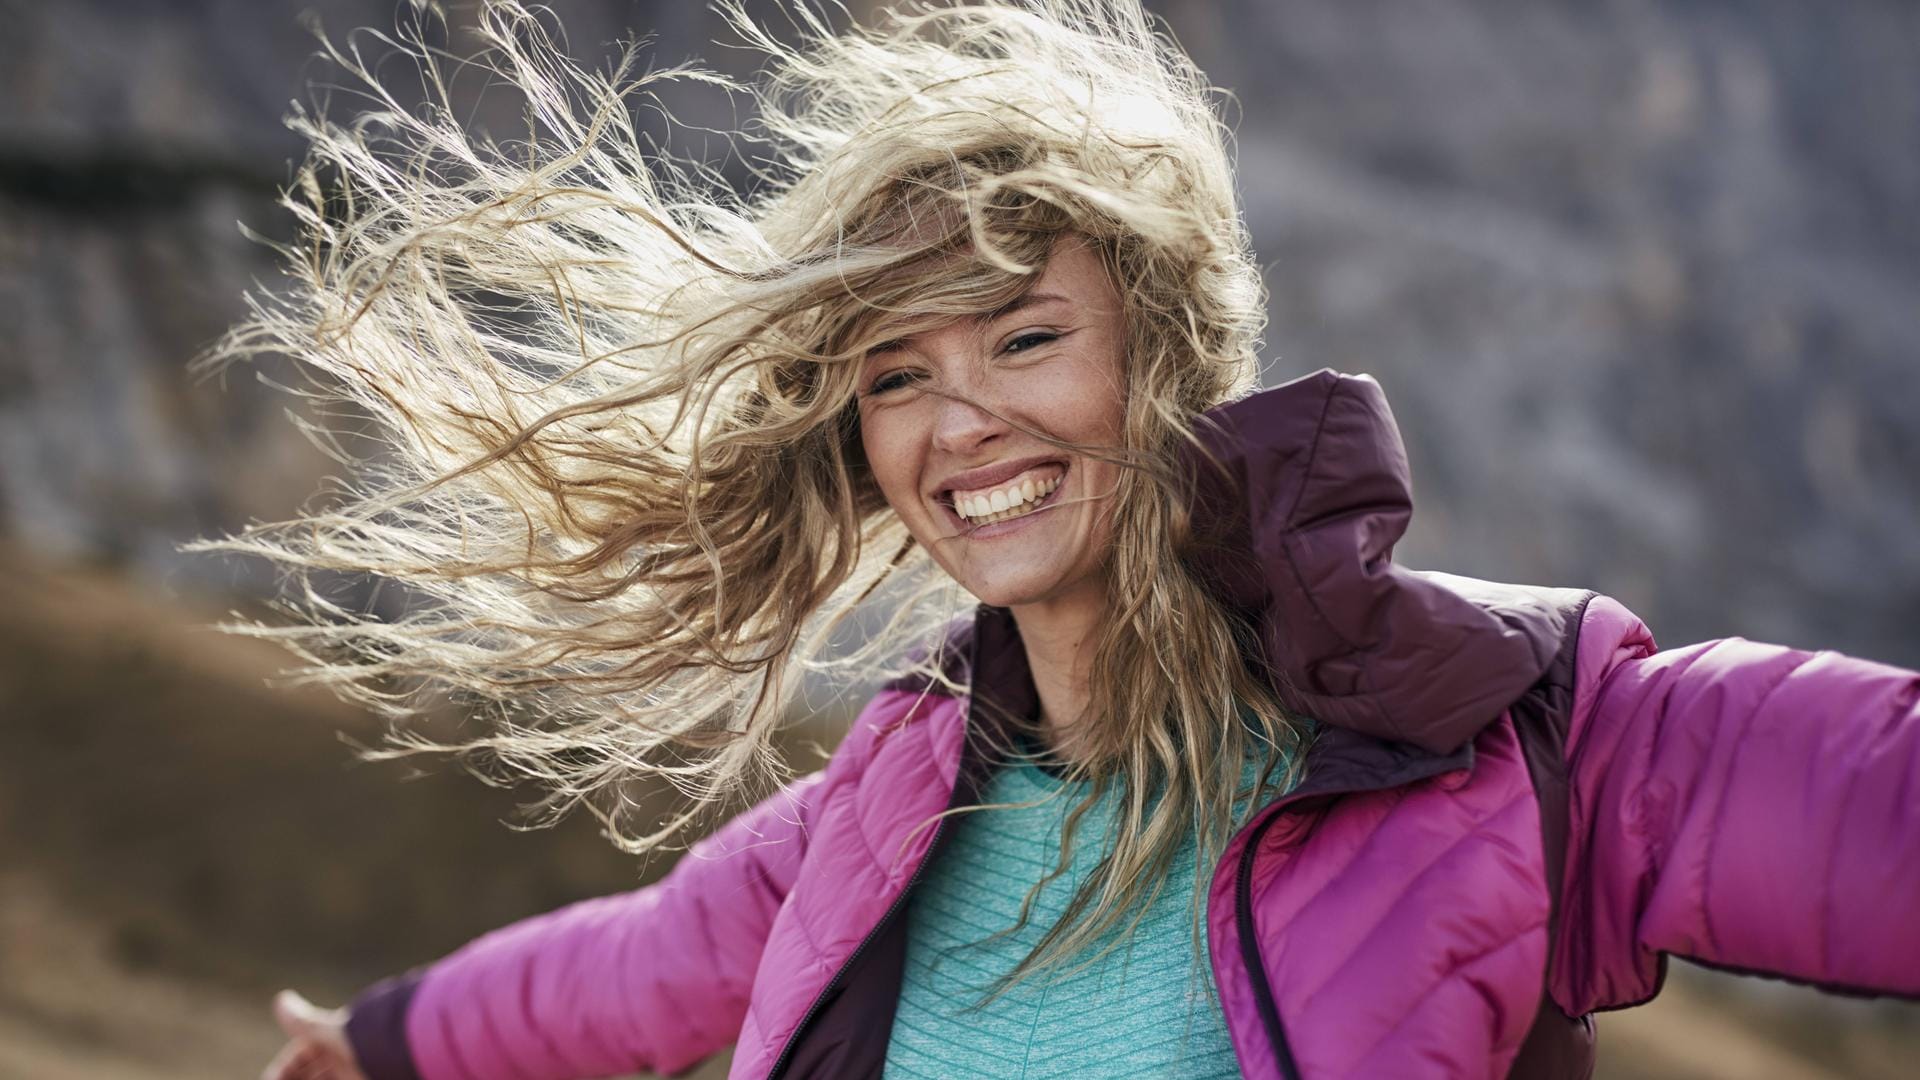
[1300, 493]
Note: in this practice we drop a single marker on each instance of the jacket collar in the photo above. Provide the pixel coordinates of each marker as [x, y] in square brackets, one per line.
[994, 664]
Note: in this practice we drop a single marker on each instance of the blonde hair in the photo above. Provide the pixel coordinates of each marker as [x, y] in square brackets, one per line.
[618, 470]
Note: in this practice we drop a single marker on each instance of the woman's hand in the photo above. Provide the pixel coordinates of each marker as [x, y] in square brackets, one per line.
[317, 1047]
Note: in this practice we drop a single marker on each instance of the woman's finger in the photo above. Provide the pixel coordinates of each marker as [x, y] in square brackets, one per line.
[295, 1013]
[316, 1042]
[300, 1018]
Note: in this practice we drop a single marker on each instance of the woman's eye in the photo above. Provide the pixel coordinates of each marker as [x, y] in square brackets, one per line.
[892, 380]
[1029, 341]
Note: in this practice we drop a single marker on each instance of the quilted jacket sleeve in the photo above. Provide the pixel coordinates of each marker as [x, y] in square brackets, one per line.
[650, 980]
[1749, 806]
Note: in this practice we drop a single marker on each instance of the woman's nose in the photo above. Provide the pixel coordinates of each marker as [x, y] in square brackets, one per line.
[960, 425]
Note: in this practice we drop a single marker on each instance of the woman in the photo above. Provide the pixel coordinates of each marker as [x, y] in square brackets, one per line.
[1198, 783]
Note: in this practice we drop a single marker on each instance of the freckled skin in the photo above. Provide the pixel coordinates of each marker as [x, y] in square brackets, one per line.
[1071, 387]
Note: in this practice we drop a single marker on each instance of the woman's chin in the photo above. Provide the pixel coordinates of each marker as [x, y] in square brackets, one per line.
[1017, 587]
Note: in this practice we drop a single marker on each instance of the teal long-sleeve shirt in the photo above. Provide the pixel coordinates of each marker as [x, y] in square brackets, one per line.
[1146, 1009]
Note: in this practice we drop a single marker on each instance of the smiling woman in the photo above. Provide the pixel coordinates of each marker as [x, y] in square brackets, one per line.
[965, 429]
[1178, 773]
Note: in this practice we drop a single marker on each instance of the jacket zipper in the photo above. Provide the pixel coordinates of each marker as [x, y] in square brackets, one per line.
[1250, 949]
[933, 848]
[786, 1052]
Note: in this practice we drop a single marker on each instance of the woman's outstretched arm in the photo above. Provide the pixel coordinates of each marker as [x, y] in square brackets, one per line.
[650, 980]
[1749, 806]
[654, 979]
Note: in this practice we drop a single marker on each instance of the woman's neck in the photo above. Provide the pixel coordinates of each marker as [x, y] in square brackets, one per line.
[1059, 635]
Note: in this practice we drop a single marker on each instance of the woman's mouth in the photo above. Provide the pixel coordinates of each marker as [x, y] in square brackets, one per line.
[1014, 498]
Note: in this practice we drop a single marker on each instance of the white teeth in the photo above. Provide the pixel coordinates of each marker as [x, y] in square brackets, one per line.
[1006, 503]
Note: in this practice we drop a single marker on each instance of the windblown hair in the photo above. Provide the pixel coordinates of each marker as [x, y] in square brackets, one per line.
[619, 466]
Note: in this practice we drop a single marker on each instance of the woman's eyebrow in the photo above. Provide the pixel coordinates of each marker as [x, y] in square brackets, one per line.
[1021, 302]
[1018, 303]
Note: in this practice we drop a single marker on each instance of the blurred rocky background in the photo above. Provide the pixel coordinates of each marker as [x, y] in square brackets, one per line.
[1641, 279]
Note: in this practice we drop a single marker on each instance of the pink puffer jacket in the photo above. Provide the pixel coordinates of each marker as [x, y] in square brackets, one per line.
[1515, 811]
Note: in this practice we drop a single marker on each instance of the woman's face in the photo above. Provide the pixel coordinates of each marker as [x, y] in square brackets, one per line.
[1015, 520]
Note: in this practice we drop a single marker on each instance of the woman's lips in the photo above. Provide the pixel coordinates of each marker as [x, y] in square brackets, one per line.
[1014, 494]
[1001, 528]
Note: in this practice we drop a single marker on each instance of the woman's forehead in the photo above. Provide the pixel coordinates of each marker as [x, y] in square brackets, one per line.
[1072, 274]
